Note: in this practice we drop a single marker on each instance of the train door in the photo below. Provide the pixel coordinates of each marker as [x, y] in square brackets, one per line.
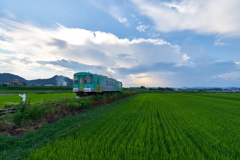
[98, 84]
[80, 83]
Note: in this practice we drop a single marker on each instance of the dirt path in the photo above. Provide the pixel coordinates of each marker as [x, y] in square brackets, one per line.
[6, 94]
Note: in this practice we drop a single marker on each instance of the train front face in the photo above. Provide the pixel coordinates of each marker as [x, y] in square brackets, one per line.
[83, 83]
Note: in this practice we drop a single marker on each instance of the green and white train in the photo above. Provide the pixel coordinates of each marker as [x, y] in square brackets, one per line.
[85, 83]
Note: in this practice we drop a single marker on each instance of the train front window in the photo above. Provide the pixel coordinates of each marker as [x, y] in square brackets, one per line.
[88, 79]
[75, 79]
[81, 80]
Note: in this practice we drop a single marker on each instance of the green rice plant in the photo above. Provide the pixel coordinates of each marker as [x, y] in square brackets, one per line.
[156, 126]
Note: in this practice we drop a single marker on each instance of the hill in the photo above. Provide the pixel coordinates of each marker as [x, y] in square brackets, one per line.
[55, 80]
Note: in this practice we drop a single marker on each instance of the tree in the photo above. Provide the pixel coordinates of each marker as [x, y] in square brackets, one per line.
[24, 83]
[159, 88]
[169, 89]
[4, 85]
[142, 87]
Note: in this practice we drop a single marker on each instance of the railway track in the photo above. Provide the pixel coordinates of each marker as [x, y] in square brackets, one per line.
[3, 111]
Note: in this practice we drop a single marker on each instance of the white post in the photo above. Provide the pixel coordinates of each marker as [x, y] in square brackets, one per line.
[23, 97]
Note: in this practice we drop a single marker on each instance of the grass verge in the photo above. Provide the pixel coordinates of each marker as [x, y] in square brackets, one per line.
[34, 97]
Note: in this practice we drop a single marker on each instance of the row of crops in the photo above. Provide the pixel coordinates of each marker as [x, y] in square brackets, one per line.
[156, 126]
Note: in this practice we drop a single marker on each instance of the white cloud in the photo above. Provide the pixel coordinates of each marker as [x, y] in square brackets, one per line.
[142, 28]
[218, 42]
[153, 34]
[149, 79]
[9, 14]
[123, 20]
[30, 44]
[205, 16]
[111, 7]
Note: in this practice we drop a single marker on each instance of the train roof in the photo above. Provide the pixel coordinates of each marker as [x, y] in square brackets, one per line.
[83, 73]
[88, 73]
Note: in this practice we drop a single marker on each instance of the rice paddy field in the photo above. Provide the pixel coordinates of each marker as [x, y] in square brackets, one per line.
[156, 126]
[34, 97]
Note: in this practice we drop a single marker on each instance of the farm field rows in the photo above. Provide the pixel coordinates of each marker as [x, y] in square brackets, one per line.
[34, 97]
[232, 96]
[156, 126]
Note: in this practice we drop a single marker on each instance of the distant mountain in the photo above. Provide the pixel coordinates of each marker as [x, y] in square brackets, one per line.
[55, 80]
[7, 77]
[202, 87]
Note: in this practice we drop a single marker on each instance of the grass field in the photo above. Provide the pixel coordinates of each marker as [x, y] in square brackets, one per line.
[35, 89]
[156, 126]
[34, 97]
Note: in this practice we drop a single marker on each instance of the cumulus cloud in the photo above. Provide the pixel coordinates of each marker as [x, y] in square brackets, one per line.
[44, 52]
[142, 28]
[37, 52]
[205, 16]
[199, 74]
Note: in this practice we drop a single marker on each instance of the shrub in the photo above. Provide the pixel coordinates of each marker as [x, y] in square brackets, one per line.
[20, 112]
[18, 118]
[73, 105]
[35, 112]
[10, 104]
[98, 97]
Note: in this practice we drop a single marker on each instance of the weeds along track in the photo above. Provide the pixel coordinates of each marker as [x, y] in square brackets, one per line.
[13, 110]
[156, 126]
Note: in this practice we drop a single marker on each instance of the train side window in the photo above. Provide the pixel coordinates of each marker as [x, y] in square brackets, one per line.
[88, 79]
[75, 79]
[106, 82]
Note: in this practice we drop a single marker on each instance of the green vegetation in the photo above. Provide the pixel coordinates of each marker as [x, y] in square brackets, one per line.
[5, 99]
[232, 96]
[35, 89]
[28, 115]
[10, 105]
[18, 148]
[156, 126]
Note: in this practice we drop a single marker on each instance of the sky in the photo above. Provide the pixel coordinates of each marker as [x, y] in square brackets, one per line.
[152, 43]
